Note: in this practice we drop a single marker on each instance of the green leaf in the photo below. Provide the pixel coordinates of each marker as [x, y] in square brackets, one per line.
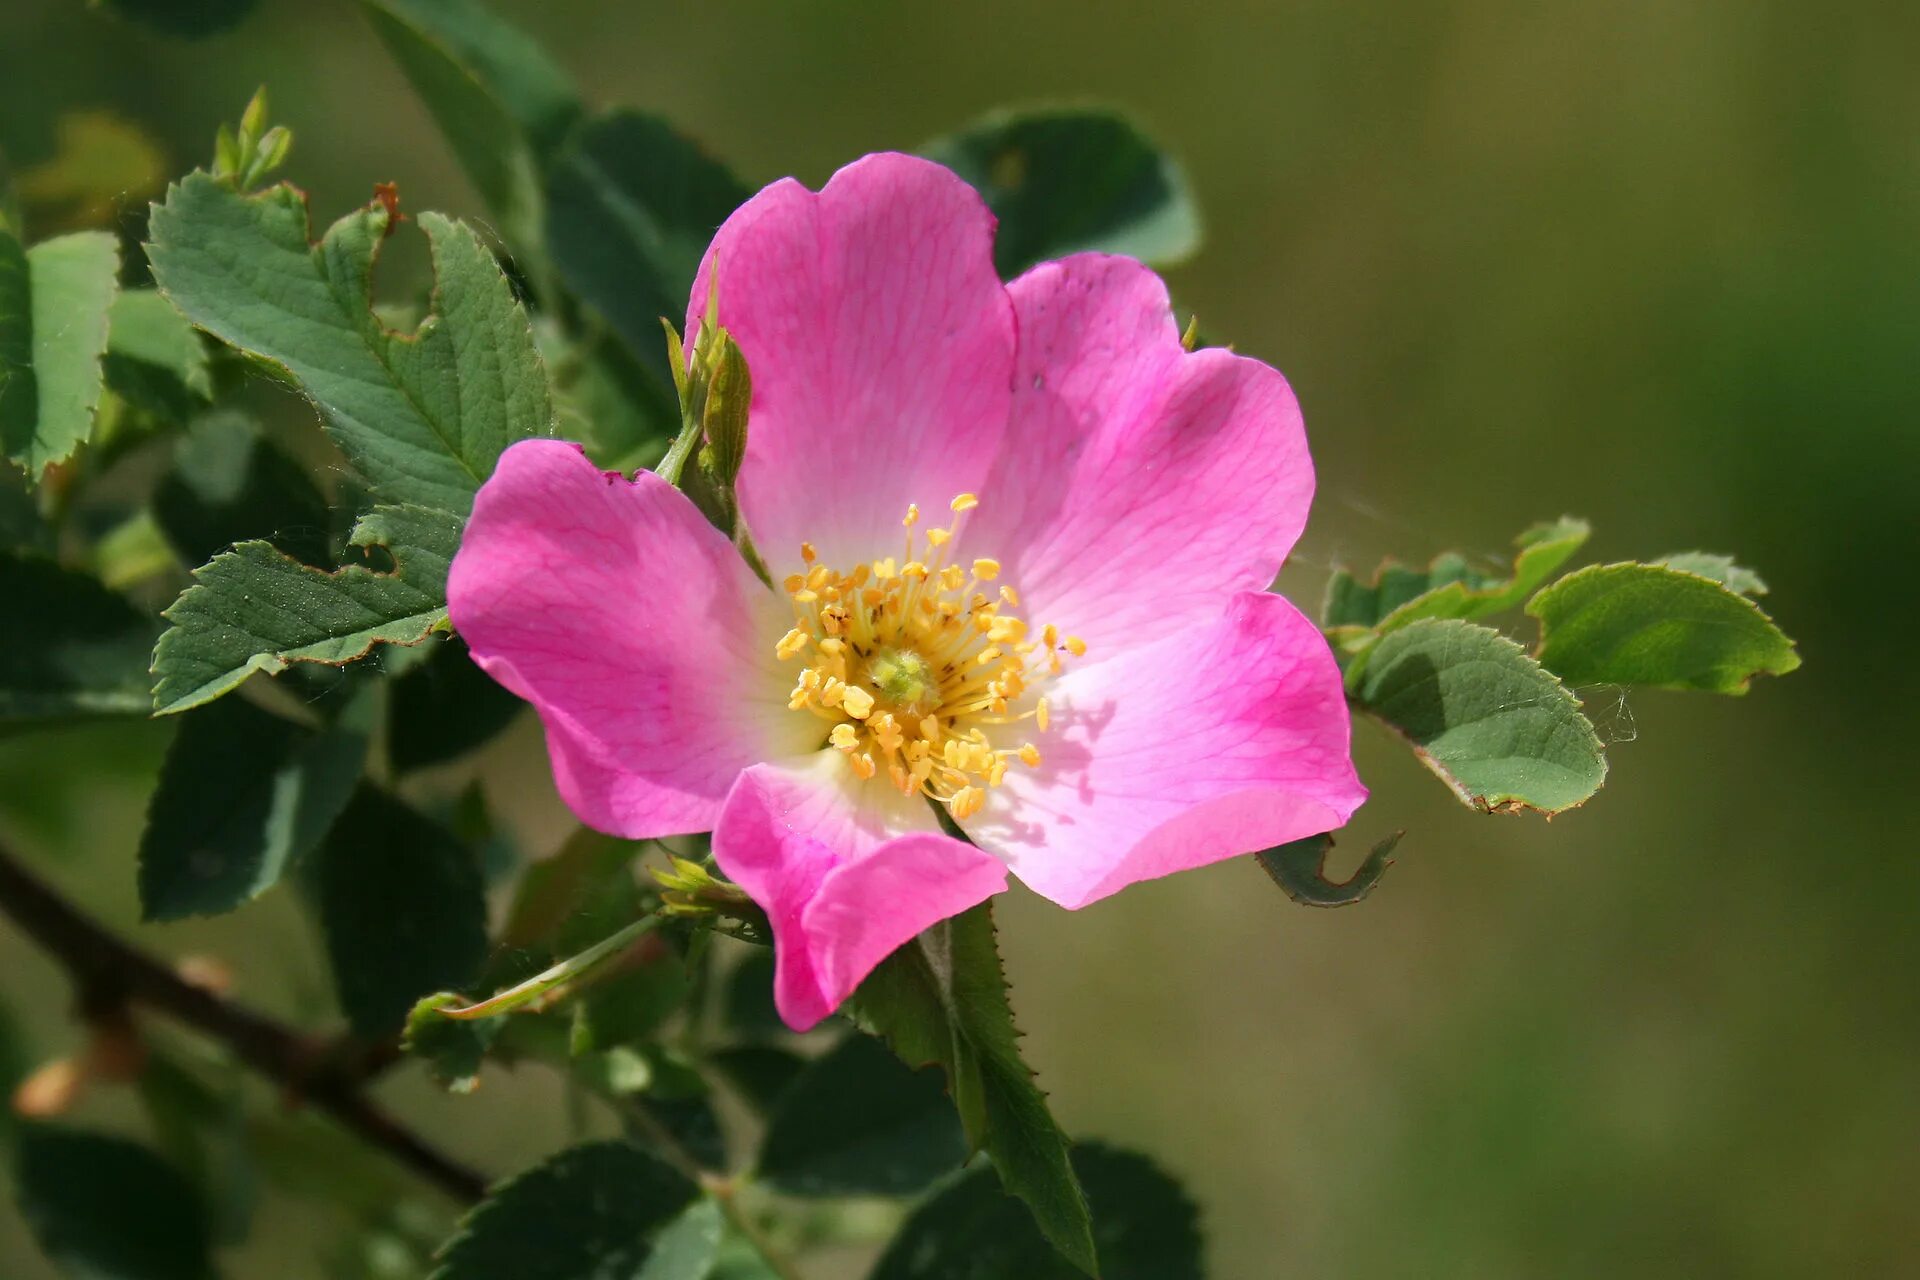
[761, 1073]
[586, 887]
[255, 609]
[687, 1247]
[631, 207]
[749, 1007]
[54, 303]
[401, 908]
[453, 1048]
[629, 1002]
[229, 484]
[860, 1122]
[104, 1208]
[68, 646]
[1721, 569]
[1493, 724]
[192, 19]
[502, 59]
[155, 361]
[1448, 588]
[501, 103]
[1066, 180]
[445, 708]
[942, 999]
[1299, 868]
[589, 1213]
[422, 415]
[1144, 1224]
[1648, 625]
[242, 794]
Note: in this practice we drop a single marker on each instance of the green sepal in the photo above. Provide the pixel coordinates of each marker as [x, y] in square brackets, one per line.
[1299, 868]
[942, 999]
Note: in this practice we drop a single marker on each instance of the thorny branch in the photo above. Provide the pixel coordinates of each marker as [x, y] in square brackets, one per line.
[109, 975]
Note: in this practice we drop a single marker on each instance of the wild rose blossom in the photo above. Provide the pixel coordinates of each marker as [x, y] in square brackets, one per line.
[1019, 540]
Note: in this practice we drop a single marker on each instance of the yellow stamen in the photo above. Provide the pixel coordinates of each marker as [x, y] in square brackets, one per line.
[913, 667]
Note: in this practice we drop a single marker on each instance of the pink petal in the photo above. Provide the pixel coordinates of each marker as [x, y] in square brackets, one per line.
[1225, 740]
[635, 629]
[881, 347]
[1139, 485]
[847, 872]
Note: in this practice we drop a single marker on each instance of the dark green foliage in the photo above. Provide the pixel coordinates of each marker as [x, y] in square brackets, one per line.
[444, 708]
[242, 794]
[590, 1213]
[401, 908]
[104, 1208]
[631, 205]
[68, 646]
[942, 1000]
[190, 19]
[453, 1048]
[1143, 1224]
[1067, 180]
[229, 484]
[860, 1122]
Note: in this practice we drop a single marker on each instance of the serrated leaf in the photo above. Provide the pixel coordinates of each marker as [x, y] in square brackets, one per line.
[1492, 723]
[858, 1122]
[191, 19]
[445, 708]
[155, 360]
[1649, 625]
[54, 302]
[1072, 179]
[242, 795]
[942, 1000]
[1449, 588]
[631, 207]
[255, 609]
[590, 1213]
[1299, 868]
[423, 416]
[1722, 569]
[401, 908]
[103, 1208]
[68, 646]
[1145, 1227]
[453, 1048]
[502, 105]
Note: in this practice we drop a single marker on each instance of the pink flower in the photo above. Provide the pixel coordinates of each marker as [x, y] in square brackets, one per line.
[1020, 542]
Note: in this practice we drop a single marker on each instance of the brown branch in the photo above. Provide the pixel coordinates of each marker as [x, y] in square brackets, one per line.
[108, 974]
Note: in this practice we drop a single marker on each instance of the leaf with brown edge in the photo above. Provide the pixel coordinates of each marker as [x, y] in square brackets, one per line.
[257, 609]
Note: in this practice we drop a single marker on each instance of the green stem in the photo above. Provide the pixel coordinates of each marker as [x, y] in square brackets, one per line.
[567, 970]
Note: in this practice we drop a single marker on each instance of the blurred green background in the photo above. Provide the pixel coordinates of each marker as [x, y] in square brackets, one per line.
[1654, 264]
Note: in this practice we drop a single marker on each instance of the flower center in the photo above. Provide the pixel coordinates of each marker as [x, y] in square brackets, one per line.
[911, 661]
